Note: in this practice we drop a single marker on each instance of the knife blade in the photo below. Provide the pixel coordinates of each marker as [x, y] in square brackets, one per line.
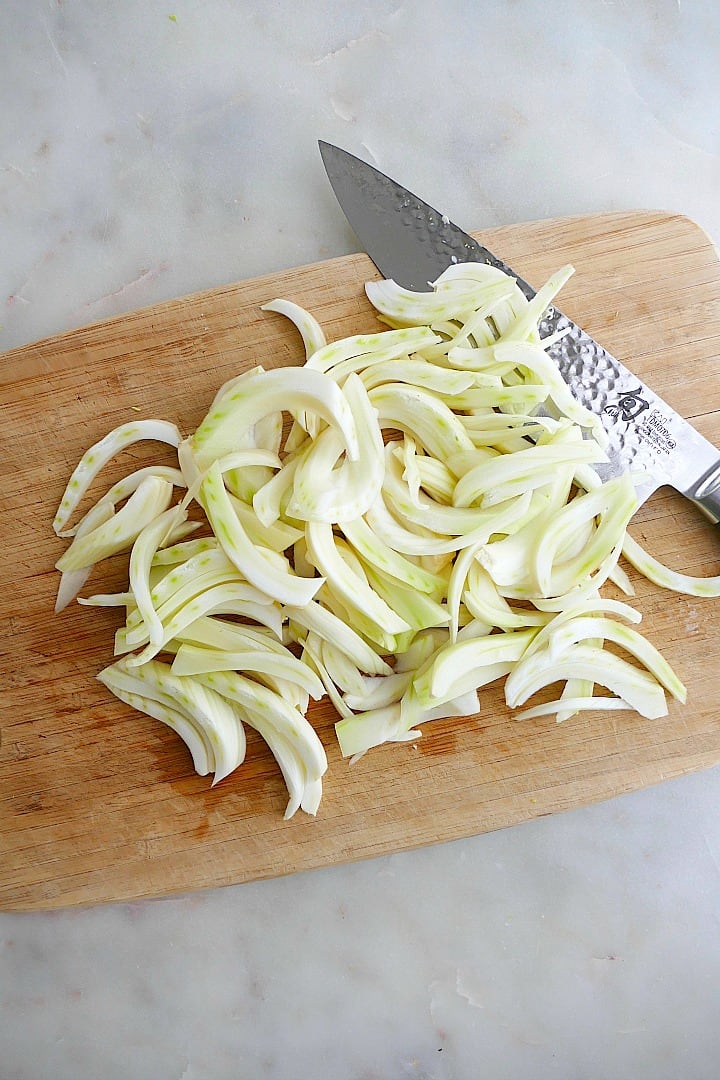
[412, 243]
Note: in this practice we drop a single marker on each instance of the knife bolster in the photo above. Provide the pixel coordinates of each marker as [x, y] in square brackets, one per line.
[705, 493]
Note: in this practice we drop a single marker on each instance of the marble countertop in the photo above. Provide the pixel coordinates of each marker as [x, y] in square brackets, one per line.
[149, 150]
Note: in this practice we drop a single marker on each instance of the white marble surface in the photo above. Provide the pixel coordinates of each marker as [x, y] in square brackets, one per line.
[144, 156]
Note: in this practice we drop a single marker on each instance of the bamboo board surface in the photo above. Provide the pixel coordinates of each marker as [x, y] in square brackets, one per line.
[99, 803]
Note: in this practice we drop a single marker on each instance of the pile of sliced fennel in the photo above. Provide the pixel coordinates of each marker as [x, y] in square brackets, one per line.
[405, 519]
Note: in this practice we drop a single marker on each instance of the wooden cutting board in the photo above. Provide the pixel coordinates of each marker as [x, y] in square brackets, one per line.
[99, 803]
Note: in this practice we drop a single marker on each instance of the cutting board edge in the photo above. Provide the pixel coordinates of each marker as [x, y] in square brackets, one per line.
[644, 216]
[509, 821]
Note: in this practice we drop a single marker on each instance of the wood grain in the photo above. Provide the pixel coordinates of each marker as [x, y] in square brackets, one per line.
[98, 803]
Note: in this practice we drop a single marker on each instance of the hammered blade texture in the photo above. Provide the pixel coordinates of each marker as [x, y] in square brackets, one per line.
[605, 387]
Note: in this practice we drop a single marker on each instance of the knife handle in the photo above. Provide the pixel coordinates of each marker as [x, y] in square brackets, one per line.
[705, 493]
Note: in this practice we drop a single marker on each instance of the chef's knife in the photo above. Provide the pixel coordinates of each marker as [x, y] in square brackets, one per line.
[412, 243]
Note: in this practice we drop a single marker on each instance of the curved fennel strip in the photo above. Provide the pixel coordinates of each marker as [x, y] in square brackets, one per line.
[525, 469]
[281, 585]
[423, 415]
[247, 469]
[196, 660]
[381, 355]
[270, 501]
[463, 665]
[352, 589]
[141, 560]
[485, 602]
[310, 329]
[212, 600]
[116, 534]
[535, 360]
[201, 753]
[185, 582]
[94, 459]
[312, 655]
[325, 623]
[642, 692]
[381, 555]
[396, 580]
[182, 551]
[249, 402]
[525, 324]
[525, 566]
[124, 488]
[565, 707]
[209, 714]
[293, 741]
[583, 628]
[408, 541]
[666, 577]
[415, 371]
[203, 589]
[276, 535]
[72, 581]
[218, 638]
[364, 349]
[406, 308]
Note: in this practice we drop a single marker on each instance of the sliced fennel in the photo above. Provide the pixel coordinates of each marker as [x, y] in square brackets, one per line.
[93, 460]
[211, 717]
[72, 581]
[310, 329]
[392, 526]
[119, 532]
[664, 576]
